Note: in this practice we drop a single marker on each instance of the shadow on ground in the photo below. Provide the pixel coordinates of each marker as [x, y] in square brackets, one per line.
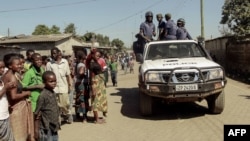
[246, 96]
[161, 110]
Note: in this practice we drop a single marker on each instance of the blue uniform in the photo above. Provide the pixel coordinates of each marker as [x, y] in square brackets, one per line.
[182, 34]
[170, 29]
[161, 25]
[148, 29]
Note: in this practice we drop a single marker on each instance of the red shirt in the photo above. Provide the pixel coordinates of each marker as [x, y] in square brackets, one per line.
[102, 62]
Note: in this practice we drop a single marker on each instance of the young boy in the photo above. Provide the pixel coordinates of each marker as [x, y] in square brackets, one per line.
[32, 79]
[113, 70]
[47, 110]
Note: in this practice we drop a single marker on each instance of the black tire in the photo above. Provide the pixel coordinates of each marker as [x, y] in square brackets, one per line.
[145, 104]
[216, 103]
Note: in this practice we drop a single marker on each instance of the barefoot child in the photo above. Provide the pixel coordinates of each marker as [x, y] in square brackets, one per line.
[47, 110]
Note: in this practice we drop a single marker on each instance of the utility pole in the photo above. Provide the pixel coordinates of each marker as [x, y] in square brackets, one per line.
[132, 39]
[202, 23]
[8, 32]
[202, 20]
[201, 38]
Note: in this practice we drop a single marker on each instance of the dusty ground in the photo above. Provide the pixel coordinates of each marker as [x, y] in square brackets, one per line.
[176, 122]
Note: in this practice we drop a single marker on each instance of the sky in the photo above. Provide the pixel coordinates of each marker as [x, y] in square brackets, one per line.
[113, 18]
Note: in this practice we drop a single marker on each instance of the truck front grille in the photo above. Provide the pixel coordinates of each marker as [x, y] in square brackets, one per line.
[184, 77]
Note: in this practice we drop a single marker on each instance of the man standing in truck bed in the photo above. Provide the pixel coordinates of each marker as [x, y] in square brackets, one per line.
[147, 29]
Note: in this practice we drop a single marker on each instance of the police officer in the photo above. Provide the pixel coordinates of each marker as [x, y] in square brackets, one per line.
[170, 28]
[147, 29]
[161, 26]
[182, 33]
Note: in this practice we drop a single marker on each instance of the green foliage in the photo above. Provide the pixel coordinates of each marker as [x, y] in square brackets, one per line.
[103, 40]
[70, 29]
[91, 37]
[55, 30]
[45, 30]
[236, 13]
[225, 31]
[88, 37]
[41, 30]
[118, 43]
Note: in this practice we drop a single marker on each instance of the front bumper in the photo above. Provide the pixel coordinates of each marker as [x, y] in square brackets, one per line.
[168, 91]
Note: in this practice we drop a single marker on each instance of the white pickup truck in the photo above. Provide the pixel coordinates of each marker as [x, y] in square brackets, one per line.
[180, 71]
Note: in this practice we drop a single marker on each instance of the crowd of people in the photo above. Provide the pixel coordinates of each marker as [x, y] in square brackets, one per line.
[38, 93]
[166, 30]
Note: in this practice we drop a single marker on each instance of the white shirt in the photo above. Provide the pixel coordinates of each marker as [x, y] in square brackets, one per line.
[77, 72]
[61, 70]
[4, 105]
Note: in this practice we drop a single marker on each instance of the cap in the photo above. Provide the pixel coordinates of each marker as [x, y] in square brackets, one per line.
[149, 13]
[181, 20]
[168, 15]
[159, 15]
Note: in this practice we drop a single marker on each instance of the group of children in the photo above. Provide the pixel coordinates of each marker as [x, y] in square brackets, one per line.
[18, 102]
[30, 107]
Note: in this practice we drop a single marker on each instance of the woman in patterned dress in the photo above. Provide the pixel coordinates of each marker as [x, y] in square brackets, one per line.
[98, 97]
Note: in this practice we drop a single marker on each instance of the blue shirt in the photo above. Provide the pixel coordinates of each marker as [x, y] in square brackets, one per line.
[170, 29]
[182, 34]
[161, 25]
[148, 29]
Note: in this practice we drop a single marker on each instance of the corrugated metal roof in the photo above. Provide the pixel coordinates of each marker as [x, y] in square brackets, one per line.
[35, 38]
[15, 46]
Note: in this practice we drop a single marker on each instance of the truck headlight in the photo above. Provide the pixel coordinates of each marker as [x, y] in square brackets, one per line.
[153, 77]
[215, 74]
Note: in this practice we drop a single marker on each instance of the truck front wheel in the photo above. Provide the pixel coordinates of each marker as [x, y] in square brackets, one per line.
[145, 104]
[216, 103]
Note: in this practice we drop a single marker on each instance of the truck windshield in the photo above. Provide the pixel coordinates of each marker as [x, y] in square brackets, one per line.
[174, 50]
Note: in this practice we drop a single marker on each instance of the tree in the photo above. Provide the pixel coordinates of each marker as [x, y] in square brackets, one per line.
[106, 41]
[224, 31]
[88, 37]
[70, 29]
[55, 30]
[41, 30]
[118, 43]
[235, 14]
[103, 40]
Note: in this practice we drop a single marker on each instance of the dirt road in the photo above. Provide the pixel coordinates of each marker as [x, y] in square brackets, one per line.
[175, 122]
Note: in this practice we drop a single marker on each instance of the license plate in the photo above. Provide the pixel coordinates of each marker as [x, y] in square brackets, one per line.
[187, 87]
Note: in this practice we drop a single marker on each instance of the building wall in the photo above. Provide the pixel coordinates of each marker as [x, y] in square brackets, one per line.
[43, 47]
[5, 50]
[238, 59]
[233, 56]
[67, 46]
[217, 48]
